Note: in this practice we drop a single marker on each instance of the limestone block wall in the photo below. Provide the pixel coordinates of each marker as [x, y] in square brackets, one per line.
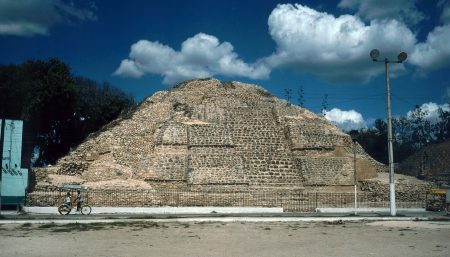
[170, 166]
[311, 136]
[169, 160]
[212, 159]
[209, 113]
[215, 165]
[209, 135]
[261, 142]
[326, 170]
[171, 133]
[254, 115]
[273, 170]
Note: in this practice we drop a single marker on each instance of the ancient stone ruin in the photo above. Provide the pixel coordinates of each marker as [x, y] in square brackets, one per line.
[208, 135]
[430, 163]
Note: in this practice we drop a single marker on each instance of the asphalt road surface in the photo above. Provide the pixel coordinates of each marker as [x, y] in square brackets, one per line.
[146, 238]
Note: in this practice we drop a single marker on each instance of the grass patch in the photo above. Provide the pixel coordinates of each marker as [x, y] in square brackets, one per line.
[119, 224]
[79, 227]
[405, 229]
[137, 225]
[47, 225]
[24, 235]
[64, 230]
[26, 225]
[146, 217]
[72, 227]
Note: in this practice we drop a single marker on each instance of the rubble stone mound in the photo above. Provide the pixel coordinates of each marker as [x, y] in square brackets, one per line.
[205, 134]
[430, 163]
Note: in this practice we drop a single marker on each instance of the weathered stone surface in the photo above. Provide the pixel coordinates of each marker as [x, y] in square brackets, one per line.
[407, 188]
[206, 135]
[430, 163]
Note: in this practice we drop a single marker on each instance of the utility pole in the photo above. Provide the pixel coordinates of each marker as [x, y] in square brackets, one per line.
[400, 58]
[390, 145]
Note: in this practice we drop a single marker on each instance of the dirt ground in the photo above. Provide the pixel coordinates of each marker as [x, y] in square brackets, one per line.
[144, 238]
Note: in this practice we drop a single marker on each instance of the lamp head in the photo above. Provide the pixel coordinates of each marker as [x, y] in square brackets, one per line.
[402, 57]
[374, 54]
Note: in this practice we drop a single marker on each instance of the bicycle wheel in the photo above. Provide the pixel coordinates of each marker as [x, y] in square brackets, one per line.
[64, 209]
[86, 209]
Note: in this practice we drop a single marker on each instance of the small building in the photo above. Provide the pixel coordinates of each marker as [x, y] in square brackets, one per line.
[13, 178]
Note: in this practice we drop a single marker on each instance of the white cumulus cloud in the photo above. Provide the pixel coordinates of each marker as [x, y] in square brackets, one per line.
[31, 17]
[200, 56]
[335, 48]
[129, 69]
[404, 10]
[346, 120]
[431, 111]
[434, 53]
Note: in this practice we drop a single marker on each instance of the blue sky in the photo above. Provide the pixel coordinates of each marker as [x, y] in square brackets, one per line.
[321, 46]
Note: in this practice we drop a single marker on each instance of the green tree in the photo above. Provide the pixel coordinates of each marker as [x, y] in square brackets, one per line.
[288, 95]
[324, 104]
[403, 145]
[442, 127]
[374, 141]
[51, 101]
[58, 110]
[301, 97]
[12, 92]
[421, 128]
[96, 106]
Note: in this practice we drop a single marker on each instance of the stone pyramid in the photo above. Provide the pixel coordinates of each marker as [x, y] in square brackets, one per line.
[204, 135]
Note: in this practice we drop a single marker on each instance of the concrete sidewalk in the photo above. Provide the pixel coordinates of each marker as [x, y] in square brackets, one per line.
[369, 210]
[220, 210]
[338, 220]
[161, 210]
[214, 214]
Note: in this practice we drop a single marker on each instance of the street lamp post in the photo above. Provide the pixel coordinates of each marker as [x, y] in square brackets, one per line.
[400, 58]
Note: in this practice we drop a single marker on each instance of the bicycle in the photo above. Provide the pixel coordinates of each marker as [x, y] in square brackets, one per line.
[66, 207]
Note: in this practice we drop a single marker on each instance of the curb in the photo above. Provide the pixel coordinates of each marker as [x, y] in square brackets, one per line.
[163, 210]
[335, 220]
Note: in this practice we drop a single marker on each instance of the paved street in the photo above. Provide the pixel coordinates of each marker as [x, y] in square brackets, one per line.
[149, 238]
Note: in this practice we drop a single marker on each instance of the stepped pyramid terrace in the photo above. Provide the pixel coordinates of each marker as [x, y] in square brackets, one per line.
[207, 135]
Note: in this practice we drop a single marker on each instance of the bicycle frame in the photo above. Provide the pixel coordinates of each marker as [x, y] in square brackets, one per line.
[66, 208]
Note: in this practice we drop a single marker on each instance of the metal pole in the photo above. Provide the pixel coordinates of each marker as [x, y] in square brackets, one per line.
[354, 174]
[2, 137]
[390, 148]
